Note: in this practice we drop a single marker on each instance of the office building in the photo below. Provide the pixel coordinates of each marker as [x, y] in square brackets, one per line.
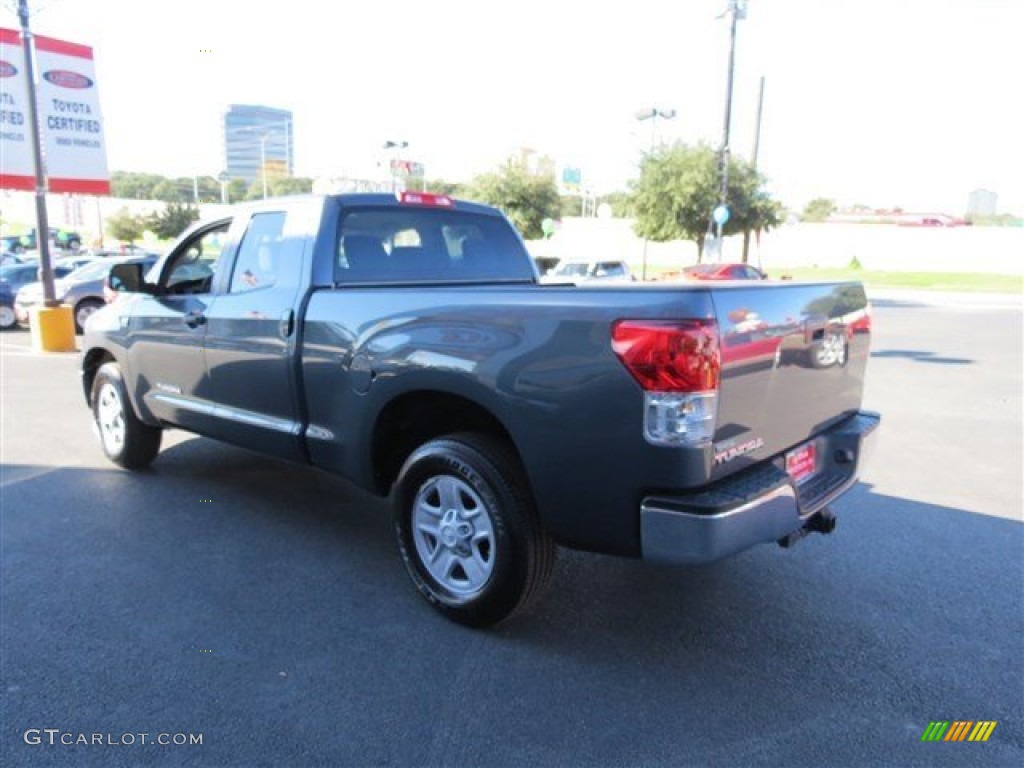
[258, 138]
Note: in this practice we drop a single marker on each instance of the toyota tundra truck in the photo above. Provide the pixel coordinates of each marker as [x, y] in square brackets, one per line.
[405, 342]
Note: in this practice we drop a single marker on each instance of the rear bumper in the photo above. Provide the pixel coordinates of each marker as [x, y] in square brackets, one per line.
[755, 506]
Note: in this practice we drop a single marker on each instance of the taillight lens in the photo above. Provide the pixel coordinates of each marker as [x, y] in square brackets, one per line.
[678, 364]
[669, 355]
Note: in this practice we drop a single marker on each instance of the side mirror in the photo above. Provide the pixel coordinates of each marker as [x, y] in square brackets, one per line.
[126, 277]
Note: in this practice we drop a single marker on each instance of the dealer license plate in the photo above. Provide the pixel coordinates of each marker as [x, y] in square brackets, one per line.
[801, 462]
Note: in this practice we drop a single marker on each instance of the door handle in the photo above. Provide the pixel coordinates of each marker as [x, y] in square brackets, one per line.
[195, 318]
[287, 324]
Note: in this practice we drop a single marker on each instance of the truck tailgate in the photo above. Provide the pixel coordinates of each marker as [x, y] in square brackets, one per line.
[793, 361]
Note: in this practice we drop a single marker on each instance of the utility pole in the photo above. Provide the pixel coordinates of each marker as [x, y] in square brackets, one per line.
[42, 222]
[757, 124]
[737, 9]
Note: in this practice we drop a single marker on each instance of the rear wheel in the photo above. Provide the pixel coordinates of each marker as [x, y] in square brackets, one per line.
[125, 439]
[468, 532]
[7, 317]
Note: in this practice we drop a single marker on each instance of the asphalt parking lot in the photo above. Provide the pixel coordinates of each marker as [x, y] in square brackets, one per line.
[263, 607]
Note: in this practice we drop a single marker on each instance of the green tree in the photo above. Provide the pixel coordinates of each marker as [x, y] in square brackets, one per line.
[255, 190]
[288, 185]
[168, 191]
[209, 189]
[527, 199]
[237, 189]
[125, 226]
[134, 186]
[442, 187]
[818, 209]
[679, 187]
[173, 220]
[570, 205]
[621, 204]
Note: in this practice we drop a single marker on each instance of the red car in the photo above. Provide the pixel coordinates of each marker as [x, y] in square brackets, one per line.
[723, 272]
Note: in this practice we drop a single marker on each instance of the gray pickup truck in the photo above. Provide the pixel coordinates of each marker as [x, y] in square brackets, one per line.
[405, 342]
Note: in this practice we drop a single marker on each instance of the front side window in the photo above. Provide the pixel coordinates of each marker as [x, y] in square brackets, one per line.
[193, 266]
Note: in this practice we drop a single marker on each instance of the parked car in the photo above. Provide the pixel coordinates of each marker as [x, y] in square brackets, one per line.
[9, 258]
[82, 289]
[12, 278]
[15, 276]
[588, 270]
[545, 263]
[64, 239]
[723, 272]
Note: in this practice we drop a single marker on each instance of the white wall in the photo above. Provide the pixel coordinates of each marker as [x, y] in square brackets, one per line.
[891, 248]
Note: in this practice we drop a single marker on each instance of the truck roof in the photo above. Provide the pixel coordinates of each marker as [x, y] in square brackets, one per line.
[379, 199]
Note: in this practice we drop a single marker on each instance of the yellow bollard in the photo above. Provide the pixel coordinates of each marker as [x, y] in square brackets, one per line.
[53, 328]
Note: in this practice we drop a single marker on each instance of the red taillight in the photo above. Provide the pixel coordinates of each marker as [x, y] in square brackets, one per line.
[426, 198]
[669, 355]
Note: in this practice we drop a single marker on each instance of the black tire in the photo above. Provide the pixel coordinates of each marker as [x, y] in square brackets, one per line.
[832, 350]
[7, 317]
[125, 440]
[83, 309]
[506, 558]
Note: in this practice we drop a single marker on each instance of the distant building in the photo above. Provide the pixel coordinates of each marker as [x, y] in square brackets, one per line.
[258, 138]
[982, 202]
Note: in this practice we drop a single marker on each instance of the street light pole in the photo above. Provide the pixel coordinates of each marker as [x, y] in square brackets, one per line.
[263, 162]
[652, 114]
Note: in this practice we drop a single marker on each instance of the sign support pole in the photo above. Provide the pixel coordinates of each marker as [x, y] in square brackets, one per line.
[42, 222]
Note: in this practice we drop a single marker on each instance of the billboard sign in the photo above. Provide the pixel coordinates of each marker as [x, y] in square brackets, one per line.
[15, 138]
[71, 123]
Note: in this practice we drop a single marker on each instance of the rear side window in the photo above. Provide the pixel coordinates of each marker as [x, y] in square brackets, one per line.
[259, 255]
[405, 244]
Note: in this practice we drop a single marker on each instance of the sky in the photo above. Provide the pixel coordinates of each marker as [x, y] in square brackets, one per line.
[910, 103]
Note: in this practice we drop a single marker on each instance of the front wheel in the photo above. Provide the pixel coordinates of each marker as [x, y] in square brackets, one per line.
[467, 529]
[84, 310]
[125, 439]
[7, 317]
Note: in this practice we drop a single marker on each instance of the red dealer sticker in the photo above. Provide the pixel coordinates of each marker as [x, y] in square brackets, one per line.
[801, 462]
[67, 79]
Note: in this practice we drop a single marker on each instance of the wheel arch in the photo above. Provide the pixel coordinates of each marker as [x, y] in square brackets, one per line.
[91, 363]
[414, 418]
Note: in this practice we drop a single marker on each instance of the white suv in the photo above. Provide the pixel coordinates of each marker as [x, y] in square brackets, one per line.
[589, 270]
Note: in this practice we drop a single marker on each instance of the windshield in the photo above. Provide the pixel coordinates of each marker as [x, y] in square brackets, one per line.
[572, 269]
[94, 270]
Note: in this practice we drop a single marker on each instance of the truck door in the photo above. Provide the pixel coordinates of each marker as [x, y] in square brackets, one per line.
[168, 330]
[250, 340]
